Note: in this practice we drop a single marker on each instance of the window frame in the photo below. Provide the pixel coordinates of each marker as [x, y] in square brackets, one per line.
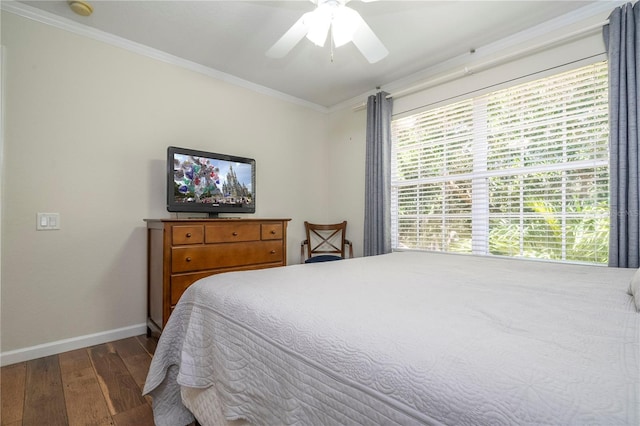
[480, 209]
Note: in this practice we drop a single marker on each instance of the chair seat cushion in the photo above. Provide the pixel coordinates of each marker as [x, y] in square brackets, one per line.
[322, 258]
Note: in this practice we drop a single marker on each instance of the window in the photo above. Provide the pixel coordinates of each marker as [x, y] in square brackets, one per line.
[517, 172]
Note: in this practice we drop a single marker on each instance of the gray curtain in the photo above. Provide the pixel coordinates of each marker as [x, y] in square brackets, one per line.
[622, 39]
[377, 204]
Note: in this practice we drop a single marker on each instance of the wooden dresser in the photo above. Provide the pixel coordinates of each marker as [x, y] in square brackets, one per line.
[181, 251]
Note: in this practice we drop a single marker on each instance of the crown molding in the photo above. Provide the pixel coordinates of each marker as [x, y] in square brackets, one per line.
[59, 22]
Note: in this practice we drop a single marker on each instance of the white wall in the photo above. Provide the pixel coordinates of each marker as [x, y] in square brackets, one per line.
[2, 121]
[347, 149]
[87, 126]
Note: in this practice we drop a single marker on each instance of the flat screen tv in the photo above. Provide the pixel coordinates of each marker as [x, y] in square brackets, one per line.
[208, 182]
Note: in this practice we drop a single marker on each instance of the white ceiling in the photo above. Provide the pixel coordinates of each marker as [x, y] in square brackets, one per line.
[233, 36]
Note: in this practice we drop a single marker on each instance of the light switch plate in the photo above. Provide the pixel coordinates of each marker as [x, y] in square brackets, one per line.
[48, 221]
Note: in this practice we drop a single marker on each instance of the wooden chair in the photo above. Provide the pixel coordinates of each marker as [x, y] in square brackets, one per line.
[325, 243]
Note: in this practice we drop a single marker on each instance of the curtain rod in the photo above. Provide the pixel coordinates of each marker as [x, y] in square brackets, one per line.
[468, 70]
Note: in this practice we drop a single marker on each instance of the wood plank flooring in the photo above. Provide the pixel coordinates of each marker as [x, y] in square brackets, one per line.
[100, 385]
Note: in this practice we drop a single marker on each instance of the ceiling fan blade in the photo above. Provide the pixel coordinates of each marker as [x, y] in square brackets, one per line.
[290, 38]
[368, 43]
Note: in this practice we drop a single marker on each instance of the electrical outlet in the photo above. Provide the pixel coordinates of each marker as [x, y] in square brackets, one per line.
[48, 221]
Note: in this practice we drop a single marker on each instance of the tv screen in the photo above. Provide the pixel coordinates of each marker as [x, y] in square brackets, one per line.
[208, 182]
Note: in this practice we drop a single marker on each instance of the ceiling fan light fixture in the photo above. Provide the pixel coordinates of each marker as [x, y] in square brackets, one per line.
[343, 26]
[318, 22]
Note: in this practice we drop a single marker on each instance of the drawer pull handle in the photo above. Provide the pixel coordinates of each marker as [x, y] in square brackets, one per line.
[273, 252]
[188, 234]
[273, 232]
[188, 259]
[235, 234]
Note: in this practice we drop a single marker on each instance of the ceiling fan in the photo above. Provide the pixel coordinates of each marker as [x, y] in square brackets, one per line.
[334, 18]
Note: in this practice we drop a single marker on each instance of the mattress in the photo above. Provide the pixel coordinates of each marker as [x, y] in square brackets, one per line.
[406, 338]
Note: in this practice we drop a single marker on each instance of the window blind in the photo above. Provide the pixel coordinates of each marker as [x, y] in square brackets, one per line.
[518, 172]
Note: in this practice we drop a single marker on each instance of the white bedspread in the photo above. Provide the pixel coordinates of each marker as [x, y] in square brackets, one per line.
[407, 338]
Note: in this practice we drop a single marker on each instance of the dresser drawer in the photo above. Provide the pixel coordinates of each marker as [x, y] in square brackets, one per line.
[226, 233]
[191, 234]
[179, 284]
[187, 259]
[271, 231]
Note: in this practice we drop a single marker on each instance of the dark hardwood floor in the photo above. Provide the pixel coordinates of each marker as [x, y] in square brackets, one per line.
[100, 385]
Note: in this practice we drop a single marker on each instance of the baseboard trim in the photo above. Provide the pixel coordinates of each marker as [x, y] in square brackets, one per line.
[53, 348]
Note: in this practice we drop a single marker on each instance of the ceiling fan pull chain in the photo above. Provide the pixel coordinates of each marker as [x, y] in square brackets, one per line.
[331, 43]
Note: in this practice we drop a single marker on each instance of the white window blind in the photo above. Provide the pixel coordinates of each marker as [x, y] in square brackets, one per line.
[517, 172]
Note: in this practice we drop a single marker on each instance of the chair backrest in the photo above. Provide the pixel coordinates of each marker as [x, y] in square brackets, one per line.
[326, 239]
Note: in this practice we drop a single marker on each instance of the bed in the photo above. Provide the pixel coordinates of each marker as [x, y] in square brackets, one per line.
[404, 338]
